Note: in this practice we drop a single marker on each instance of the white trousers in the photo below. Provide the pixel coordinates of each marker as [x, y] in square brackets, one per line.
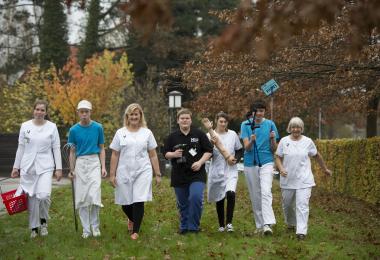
[89, 217]
[295, 204]
[38, 188]
[38, 208]
[259, 181]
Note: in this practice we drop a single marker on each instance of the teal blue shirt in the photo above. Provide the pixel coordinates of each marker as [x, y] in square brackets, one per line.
[86, 138]
[262, 133]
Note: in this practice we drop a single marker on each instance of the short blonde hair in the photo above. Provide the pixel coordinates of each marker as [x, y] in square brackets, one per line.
[184, 111]
[132, 107]
[295, 122]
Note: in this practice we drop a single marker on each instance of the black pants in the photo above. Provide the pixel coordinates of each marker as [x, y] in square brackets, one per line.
[230, 208]
[135, 213]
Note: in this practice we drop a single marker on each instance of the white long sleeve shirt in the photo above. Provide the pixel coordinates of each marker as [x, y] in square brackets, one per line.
[38, 145]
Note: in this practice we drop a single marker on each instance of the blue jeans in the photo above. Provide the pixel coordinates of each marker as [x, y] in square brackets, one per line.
[190, 205]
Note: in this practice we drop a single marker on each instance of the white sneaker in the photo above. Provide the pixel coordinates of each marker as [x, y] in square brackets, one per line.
[258, 231]
[44, 230]
[229, 227]
[267, 230]
[85, 235]
[221, 229]
[34, 234]
[96, 232]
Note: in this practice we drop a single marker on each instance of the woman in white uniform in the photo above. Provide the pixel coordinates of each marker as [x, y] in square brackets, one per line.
[222, 177]
[296, 180]
[38, 154]
[133, 156]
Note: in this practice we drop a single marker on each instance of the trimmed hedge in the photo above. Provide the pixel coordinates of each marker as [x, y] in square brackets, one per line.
[356, 167]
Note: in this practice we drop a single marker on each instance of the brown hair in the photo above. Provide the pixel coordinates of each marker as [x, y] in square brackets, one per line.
[184, 111]
[223, 115]
[45, 103]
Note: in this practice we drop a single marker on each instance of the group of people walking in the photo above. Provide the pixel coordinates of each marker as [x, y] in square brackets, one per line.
[134, 162]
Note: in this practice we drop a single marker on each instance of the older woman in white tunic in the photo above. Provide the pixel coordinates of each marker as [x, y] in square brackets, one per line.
[223, 177]
[38, 154]
[296, 180]
[133, 156]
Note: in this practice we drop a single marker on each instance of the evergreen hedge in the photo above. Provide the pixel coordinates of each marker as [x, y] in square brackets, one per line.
[356, 167]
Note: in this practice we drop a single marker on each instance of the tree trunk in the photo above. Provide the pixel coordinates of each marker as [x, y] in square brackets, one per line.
[372, 108]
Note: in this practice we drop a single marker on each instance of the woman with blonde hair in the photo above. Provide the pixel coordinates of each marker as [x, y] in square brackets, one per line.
[133, 156]
[296, 180]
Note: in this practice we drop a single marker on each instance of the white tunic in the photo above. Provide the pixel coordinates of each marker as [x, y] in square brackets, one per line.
[221, 176]
[134, 170]
[296, 162]
[38, 153]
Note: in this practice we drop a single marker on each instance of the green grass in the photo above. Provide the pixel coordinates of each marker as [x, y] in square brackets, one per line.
[339, 228]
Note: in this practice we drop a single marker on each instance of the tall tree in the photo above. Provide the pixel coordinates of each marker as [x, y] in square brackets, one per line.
[18, 36]
[53, 35]
[90, 45]
[314, 72]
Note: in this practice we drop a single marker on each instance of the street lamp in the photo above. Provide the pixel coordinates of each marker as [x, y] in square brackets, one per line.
[175, 101]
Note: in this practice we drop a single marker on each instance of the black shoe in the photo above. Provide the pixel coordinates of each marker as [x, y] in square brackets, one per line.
[193, 231]
[301, 236]
[182, 231]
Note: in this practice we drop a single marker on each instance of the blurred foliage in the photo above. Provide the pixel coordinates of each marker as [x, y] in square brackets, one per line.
[104, 81]
[355, 164]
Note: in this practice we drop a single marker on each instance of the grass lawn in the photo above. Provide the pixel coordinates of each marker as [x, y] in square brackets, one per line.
[339, 228]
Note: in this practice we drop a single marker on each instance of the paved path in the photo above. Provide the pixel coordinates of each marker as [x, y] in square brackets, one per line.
[11, 184]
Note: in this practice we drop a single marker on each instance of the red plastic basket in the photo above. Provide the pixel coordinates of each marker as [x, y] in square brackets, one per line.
[14, 204]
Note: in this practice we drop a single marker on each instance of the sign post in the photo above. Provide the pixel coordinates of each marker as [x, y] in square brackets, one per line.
[269, 88]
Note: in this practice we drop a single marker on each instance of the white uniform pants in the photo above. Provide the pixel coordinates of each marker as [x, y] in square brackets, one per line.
[38, 188]
[38, 207]
[295, 204]
[259, 182]
[89, 217]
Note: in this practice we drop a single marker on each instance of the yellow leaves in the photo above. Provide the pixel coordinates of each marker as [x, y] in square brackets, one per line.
[102, 82]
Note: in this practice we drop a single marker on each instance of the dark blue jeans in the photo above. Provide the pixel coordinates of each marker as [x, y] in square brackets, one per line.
[190, 205]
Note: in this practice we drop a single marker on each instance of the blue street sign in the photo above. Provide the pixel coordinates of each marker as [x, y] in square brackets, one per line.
[270, 87]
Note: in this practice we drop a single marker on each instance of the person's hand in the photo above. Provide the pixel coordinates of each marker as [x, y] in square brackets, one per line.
[104, 173]
[178, 153]
[71, 175]
[113, 181]
[15, 173]
[196, 166]
[214, 139]
[231, 160]
[158, 179]
[207, 123]
[58, 174]
[253, 137]
[283, 173]
[328, 172]
[272, 135]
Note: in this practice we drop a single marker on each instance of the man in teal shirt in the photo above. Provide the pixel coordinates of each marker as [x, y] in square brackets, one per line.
[259, 137]
[87, 140]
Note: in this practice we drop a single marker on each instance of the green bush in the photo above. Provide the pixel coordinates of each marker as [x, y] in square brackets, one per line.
[355, 165]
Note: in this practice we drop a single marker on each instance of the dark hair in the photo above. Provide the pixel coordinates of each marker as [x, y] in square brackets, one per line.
[224, 115]
[45, 103]
[258, 104]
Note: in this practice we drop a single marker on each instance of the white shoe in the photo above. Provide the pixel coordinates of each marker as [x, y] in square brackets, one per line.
[85, 235]
[34, 234]
[229, 227]
[221, 229]
[267, 230]
[44, 230]
[96, 232]
[258, 231]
